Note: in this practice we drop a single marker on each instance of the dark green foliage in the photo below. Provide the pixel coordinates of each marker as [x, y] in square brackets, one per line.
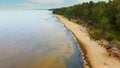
[109, 37]
[101, 16]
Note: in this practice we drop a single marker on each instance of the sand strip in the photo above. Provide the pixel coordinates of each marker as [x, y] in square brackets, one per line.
[96, 55]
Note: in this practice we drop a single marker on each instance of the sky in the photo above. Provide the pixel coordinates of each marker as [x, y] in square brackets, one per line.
[39, 4]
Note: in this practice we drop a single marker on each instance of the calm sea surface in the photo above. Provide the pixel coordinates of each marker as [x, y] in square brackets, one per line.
[35, 39]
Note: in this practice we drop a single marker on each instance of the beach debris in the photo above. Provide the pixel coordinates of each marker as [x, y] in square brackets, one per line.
[113, 51]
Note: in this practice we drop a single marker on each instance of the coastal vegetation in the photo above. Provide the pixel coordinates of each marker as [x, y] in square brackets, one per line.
[102, 19]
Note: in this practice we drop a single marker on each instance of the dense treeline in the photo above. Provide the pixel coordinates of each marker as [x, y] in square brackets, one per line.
[102, 18]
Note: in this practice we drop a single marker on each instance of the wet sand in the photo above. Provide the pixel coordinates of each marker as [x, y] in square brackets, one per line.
[96, 55]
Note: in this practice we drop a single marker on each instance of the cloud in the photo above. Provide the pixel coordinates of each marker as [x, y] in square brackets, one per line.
[39, 3]
[47, 1]
[81, 1]
[25, 4]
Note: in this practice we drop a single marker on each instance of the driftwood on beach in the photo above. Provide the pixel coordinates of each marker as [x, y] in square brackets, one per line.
[113, 51]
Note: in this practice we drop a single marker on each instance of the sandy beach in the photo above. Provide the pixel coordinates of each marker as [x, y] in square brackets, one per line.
[96, 55]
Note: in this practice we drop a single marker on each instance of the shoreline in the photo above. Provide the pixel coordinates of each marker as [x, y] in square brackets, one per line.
[95, 56]
[83, 51]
